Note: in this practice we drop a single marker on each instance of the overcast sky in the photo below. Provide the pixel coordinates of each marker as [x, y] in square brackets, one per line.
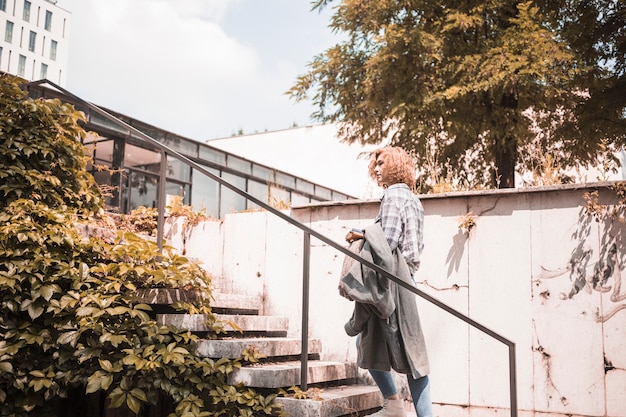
[203, 69]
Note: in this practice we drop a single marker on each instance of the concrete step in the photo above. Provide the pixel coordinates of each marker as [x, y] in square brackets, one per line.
[287, 374]
[247, 323]
[262, 324]
[166, 296]
[236, 303]
[345, 400]
[221, 302]
[270, 346]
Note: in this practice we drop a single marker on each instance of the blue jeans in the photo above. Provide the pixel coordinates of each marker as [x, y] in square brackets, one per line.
[420, 390]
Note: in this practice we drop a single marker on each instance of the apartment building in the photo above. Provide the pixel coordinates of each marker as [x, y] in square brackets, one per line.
[34, 37]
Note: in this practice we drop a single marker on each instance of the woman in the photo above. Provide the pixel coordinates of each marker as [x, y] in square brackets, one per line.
[391, 339]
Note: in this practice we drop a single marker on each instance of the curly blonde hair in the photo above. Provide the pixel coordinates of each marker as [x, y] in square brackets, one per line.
[398, 163]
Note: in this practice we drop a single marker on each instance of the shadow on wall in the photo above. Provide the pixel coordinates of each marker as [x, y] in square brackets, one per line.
[605, 273]
[455, 254]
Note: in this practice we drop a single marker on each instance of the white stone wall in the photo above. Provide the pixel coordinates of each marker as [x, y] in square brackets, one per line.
[534, 269]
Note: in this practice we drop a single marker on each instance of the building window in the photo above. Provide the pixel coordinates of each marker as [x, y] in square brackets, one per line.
[44, 71]
[205, 192]
[140, 190]
[48, 23]
[26, 13]
[178, 169]
[0, 57]
[8, 33]
[297, 199]
[32, 40]
[231, 201]
[259, 190]
[173, 188]
[53, 50]
[21, 66]
[279, 195]
[239, 164]
[263, 172]
[3, 5]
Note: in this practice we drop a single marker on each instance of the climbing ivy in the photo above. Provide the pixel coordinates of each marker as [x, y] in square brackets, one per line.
[604, 212]
[42, 160]
[69, 319]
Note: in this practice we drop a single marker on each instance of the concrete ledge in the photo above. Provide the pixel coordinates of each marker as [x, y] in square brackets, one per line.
[236, 302]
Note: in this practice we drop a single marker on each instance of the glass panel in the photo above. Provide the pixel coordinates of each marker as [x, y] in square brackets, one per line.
[285, 180]
[91, 137]
[100, 148]
[205, 193]
[96, 119]
[323, 193]
[32, 40]
[26, 12]
[142, 190]
[279, 197]
[187, 194]
[109, 191]
[305, 186]
[53, 50]
[337, 196]
[263, 172]
[212, 155]
[298, 199]
[176, 189]
[186, 147]
[238, 164]
[21, 65]
[258, 190]
[231, 202]
[101, 176]
[8, 32]
[48, 21]
[178, 169]
[145, 159]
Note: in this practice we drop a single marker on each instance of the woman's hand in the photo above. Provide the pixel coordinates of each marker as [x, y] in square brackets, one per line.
[354, 234]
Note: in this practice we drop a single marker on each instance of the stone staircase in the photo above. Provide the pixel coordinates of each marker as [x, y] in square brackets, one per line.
[334, 388]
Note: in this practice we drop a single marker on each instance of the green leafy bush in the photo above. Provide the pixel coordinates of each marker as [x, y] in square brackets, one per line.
[69, 321]
[42, 159]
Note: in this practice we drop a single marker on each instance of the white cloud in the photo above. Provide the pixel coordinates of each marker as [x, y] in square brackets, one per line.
[199, 68]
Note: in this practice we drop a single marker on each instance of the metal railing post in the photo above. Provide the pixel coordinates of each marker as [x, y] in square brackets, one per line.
[161, 200]
[512, 380]
[304, 354]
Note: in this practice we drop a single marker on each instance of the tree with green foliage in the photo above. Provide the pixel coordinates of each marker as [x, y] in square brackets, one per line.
[72, 333]
[478, 89]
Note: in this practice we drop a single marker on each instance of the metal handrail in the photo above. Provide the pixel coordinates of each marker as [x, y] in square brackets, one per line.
[308, 232]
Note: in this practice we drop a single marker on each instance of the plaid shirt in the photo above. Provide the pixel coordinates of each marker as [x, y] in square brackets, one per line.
[401, 217]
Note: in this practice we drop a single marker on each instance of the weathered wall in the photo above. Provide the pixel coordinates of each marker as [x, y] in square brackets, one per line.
[534, 269]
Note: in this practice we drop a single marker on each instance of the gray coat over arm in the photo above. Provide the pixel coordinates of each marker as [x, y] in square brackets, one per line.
[385, 313]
